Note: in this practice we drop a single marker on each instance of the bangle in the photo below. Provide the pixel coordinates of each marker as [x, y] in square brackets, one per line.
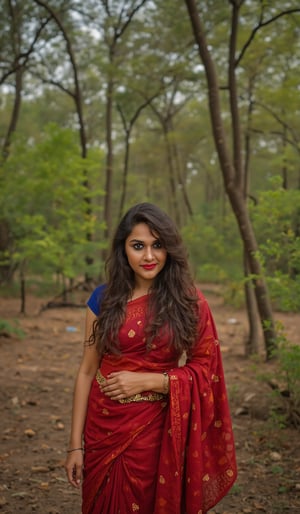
[166, 383]
[74, 450]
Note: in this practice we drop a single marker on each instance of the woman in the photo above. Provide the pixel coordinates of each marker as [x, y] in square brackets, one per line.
[157, 435]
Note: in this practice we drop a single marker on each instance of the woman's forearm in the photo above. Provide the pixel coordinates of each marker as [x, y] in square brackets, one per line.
[80, 402]
[157, 382]
[122, 384]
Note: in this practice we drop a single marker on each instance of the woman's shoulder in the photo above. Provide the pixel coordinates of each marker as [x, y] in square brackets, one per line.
[100, 289]
[200, 295]
[202, 300]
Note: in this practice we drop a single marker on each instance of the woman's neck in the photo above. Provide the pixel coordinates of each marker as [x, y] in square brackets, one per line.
[139, 291]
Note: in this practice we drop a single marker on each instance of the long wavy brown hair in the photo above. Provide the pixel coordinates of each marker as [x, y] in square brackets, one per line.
[173, 300]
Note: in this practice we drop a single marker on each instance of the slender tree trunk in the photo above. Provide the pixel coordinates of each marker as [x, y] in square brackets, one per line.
[125, 174]
[240, 210]
[128, 126]
[15, 112]
[284, 166]
[172, 181]
[109, 161]
[251, 344]
[6, 270]
[113, 35]
[180, 179]
[23, 288]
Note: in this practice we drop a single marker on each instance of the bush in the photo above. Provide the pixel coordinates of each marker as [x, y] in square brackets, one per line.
[285, 382]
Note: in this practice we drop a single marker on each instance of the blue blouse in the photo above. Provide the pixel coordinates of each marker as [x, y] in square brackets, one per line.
[94, 301]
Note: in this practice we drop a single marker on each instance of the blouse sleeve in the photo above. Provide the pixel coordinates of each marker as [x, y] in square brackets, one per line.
[94, 301]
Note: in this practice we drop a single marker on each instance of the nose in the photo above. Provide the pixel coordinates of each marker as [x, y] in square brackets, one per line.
[148, 255]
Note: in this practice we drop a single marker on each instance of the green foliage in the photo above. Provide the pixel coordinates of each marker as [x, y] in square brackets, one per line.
[8, 329]
[284, 291]
[276, 220]
[289, 374]
[214, 247]
[285, 381]
[47, 205]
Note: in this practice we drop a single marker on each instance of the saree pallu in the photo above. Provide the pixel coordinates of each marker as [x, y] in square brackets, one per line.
[171, 456]
[197, 462]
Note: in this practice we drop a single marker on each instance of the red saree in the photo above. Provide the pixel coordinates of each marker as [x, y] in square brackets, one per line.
[170, 456]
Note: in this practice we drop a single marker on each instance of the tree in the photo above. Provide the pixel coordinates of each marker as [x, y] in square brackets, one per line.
[114, 22]
[76, 95]
[44, 200]
[16, 50]
[233, 167]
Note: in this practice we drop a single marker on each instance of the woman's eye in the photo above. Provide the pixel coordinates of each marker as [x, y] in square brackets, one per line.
[157, 244]
[137, 246]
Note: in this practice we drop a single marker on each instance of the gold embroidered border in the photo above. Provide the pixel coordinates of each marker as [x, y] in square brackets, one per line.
[151, 397]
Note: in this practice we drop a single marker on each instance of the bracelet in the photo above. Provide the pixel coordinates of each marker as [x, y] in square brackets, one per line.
[74, 450]
[166, 383]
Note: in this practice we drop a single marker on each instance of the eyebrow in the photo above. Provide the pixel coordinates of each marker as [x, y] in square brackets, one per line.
[141, 241]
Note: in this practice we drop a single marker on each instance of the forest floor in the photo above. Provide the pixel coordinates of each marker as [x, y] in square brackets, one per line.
[36, 381]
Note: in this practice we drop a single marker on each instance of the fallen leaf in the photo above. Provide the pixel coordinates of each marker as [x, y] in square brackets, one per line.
[275, 456]
[258, 506]
[39, 469]
[44, 485]
[29, 432]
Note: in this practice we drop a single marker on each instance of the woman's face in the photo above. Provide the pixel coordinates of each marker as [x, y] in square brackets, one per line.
[145, 254]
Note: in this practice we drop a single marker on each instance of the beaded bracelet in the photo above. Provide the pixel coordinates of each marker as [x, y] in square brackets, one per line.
[74, 450]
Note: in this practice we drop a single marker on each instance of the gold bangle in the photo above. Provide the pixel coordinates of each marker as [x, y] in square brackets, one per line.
[166, 383]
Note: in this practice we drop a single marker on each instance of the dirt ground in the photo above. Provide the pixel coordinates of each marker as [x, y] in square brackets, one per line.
[36, 382]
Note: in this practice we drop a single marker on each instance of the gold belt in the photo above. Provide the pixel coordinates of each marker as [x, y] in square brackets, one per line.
[150, 397]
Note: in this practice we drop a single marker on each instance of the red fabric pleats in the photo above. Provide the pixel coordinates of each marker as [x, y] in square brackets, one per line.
[122, 448]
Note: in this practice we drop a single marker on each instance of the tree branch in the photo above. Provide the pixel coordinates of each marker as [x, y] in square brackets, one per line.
[261, 24]
[77, 93]
[279, 120]
[17, 61]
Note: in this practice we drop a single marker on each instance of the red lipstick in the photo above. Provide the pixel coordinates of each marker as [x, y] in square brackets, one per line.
[149, 266]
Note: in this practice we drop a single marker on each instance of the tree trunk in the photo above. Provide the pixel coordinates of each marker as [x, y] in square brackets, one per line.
[125, 174]
[22, 288]
[172, 181]
[284, 166]
[240, 210]
[251, 343]
[6, 270]
[15, 112]
[113, 35]
[232, 170]
[180, 179]
[109, 161]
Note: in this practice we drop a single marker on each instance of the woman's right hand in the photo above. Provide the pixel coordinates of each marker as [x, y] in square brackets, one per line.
[74, 467]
